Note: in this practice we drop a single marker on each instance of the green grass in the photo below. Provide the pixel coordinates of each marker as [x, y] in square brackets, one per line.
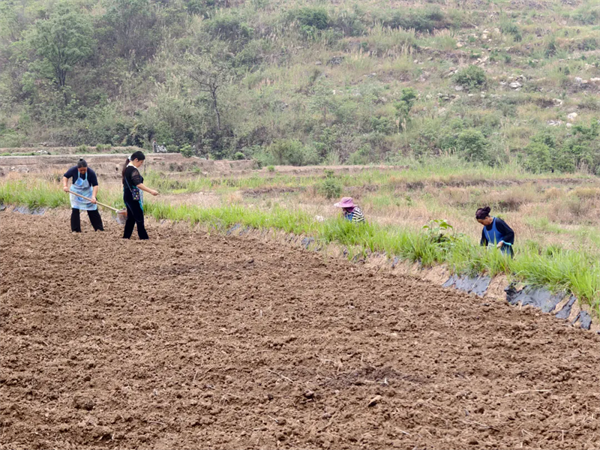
[558, 269]
[441, 170]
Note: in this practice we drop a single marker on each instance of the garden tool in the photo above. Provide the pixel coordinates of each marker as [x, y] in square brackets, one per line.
[121, 214]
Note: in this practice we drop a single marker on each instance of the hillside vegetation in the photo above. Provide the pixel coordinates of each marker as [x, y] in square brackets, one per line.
[307, 82]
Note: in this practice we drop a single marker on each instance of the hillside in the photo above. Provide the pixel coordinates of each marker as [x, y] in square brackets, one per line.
[293, 82]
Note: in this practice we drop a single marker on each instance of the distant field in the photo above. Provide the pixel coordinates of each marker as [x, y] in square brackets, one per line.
[556, 217]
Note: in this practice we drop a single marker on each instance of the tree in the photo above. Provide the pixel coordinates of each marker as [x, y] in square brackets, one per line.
[63, 41]
[403, 107]
[133, 27]
[211, 73]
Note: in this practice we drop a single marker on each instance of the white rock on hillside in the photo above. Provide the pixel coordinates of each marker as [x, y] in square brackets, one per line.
[571, 117]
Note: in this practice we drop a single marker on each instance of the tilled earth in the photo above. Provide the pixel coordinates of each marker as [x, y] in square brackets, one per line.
[199, 341]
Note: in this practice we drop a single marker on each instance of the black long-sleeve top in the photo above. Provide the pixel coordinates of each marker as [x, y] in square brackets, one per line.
[133, 177]
[508, 235]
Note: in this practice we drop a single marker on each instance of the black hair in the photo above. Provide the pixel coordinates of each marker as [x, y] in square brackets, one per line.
[139, 155]
[81, 163]
[482, 213]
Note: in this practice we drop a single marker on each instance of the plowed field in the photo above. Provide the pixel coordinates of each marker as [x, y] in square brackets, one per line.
[198, 341]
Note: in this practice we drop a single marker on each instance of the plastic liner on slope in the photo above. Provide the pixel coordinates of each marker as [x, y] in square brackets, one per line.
[565, 312]
[233, 228]
[307, 241]
[27, 210]
[585, 320]
[478, 285]
[540, 298]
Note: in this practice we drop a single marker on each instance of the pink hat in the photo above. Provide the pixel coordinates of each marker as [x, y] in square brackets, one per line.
[346, 202]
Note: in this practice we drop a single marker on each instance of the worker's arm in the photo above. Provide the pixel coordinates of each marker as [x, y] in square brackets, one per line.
[94, 194]
[66, 184]
[147, 189]
[508, 235]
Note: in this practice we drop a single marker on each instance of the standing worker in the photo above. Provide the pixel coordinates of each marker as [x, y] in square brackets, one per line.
[133, 185]
[84, 182]
[350, 211]
[495, 231]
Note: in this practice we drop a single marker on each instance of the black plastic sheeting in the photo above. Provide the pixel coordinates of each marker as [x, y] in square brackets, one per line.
[2, 207]
[307, 241]
[537, 297]
[475, 285]
[585, 320]
[27, 210]
[233, 228]
[566, 311]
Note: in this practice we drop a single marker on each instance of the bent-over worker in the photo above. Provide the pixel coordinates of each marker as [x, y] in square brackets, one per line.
[495, 231]
[350, 211]
[133, 185]
[84, 182]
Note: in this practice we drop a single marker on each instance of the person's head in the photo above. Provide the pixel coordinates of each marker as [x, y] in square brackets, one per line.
[82, 166]
[346, 203]
[483, 216]
[137, 159]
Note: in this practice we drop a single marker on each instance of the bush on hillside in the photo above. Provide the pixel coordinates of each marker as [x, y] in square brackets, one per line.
[473, 146]
[472, 77]
[511, 28]
[292, 152]
[421, 20]
[229, 28]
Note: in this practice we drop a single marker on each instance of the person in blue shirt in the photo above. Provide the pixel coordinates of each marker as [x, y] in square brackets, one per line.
[495, 231]
[83, 182]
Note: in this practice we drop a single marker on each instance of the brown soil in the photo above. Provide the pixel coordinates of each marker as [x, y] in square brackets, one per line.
[197, 341]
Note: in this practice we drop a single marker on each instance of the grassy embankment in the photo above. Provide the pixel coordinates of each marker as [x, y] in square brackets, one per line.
[576, 271]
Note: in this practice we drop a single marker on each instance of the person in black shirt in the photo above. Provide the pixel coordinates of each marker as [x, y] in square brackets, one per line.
[495, 231]
[133, 185]
[83, 182]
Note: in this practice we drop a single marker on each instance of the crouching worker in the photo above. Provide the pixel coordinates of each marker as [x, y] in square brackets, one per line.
[350, 211]
[495, 232]
[84, 182]
[133, 185]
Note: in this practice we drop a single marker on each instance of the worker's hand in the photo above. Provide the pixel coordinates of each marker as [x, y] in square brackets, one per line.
[66, 189]
[153, 192]
[500, 244]
[93, 199]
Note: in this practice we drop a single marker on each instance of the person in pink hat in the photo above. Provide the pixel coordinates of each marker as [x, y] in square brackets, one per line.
[350, 211]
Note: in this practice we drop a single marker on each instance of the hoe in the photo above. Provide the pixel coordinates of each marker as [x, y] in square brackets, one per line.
[121, 214]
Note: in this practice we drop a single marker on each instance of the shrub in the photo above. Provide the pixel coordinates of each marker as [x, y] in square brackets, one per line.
[331, 187]
[239, 156]
[473, 146]
[312, 17]
[551, 48]
[421, 20]
[292, 152]
[404, 105]
[511, 28]
[82, 149]
[229, 28]
[187, 151]
[471, 77]
[271, 168]
[587, 15]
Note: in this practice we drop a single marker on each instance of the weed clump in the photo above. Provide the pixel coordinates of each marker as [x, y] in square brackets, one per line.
[472, 77]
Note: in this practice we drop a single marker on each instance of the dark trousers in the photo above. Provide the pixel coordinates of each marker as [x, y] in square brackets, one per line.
[95, 220]
[135, 215]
